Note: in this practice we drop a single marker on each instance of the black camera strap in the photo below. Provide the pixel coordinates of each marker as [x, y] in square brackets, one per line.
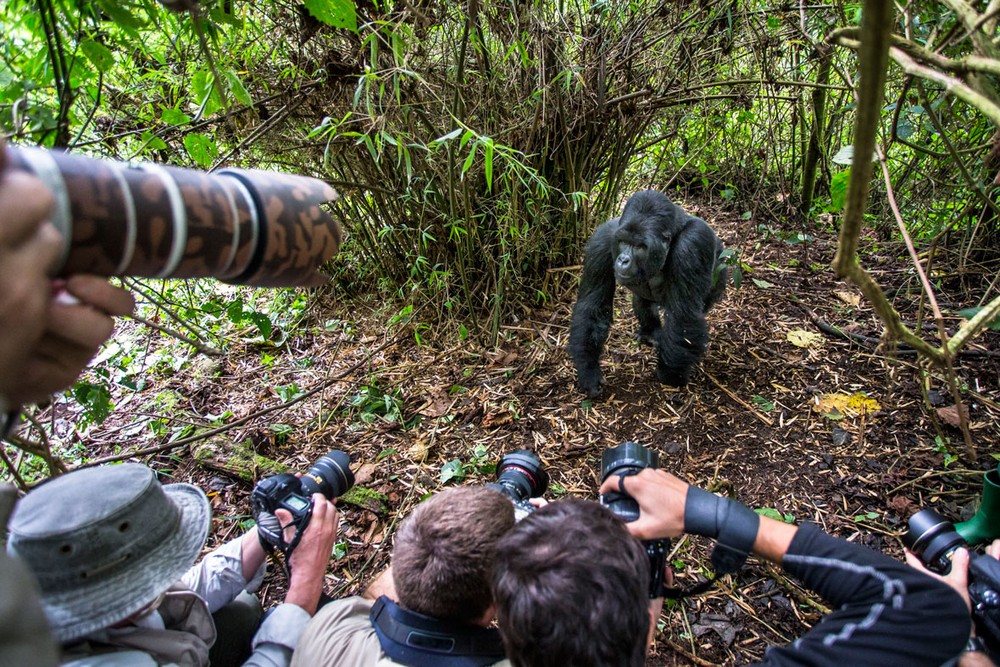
[272, 537]
[418, 640]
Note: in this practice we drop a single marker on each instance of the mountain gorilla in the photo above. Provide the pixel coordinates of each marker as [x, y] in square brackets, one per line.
[669, 260]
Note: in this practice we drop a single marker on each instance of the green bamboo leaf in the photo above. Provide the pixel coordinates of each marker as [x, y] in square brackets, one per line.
[237, 88]
[98, 54]
[468, 161]
[488, 158]
[201, 149]
[336, 13]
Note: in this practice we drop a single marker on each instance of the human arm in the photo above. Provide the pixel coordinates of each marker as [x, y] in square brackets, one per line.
[886, 613]
[279, 633]
[958, 579]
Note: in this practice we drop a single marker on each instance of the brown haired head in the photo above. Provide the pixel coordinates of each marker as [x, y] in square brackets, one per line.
[445, 553]
[571, 589]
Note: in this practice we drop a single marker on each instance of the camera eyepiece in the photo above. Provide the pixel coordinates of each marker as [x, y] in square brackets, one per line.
[933, 539]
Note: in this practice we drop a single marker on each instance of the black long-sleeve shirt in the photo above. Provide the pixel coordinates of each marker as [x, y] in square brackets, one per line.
[885, 612]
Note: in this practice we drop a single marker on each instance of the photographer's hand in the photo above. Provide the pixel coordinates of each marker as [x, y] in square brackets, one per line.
[78, 320]
[661, 497]
[312, 555]
[957, 577]
[29, 246]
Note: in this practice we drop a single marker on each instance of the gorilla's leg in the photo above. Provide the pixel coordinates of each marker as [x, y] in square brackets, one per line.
[648, 314]
[680, 344]
[594, 309]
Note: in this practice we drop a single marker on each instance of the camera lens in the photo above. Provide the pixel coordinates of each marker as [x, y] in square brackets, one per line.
[331, 475]
[520, 475]
[626, 457]
[933, 539]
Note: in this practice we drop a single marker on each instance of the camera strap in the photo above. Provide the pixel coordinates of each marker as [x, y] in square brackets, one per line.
[418, 640]
[272, 537]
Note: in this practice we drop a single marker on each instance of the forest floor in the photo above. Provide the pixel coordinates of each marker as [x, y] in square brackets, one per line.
[757, 421]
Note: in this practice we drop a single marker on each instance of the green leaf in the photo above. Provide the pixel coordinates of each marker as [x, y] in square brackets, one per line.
[237, 88]
[468, 161]
[452, 470]
[95, 399]
[98, 54]
[172, 116]
[761, 283]
[488, 157]
[763, 403]
[120, 15]
[336, 13]
[838, 190]
[263, 323]
[201, 149]
[969, 313]
[152, 142]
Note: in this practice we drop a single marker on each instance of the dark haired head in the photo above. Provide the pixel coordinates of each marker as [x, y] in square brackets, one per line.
[571, 589]
[445, 552]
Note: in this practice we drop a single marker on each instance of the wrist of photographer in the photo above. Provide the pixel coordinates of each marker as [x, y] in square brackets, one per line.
[312, 555]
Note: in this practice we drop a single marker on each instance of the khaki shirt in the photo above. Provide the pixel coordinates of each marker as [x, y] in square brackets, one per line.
[341, 635]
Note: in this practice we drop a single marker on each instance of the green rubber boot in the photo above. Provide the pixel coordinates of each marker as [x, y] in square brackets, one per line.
[985, 525]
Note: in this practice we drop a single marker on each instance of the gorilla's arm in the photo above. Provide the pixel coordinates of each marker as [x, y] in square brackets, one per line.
[689, 270]
[594, 311]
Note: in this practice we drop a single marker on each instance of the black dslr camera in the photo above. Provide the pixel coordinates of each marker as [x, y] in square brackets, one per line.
[520, 476]
[629, 458]
[330, 475]
[933, 539]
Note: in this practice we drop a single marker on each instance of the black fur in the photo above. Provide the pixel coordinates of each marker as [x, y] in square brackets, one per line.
[669, 260]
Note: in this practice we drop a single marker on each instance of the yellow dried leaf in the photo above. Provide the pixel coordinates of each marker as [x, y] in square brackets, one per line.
[850, 298]
[418, 452]
[836, 405]
[803, 338]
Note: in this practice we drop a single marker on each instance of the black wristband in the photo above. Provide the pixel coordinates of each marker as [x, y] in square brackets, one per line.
[734, 526]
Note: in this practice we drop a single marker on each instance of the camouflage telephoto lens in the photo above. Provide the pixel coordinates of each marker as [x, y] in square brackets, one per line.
[247, 227]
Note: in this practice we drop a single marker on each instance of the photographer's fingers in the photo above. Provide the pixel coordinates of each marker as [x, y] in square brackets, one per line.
[98, 293]
[661, 497]
[994, 549]
[311, 556]
[957, 578]
[24, 203]
[73, 333]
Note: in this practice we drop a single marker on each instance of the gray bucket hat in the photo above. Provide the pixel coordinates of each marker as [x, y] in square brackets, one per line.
[104, 542]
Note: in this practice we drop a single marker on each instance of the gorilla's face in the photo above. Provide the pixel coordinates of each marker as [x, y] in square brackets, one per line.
[641, 252]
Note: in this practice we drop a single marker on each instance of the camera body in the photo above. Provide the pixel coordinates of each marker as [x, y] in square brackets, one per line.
[520, 476]
[331, 475]
[629, 458]
[933, 539]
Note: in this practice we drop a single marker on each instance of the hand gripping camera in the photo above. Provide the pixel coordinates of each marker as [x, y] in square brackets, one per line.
[933, 539]
[629, 458]
[520, 476]
[330, 475]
